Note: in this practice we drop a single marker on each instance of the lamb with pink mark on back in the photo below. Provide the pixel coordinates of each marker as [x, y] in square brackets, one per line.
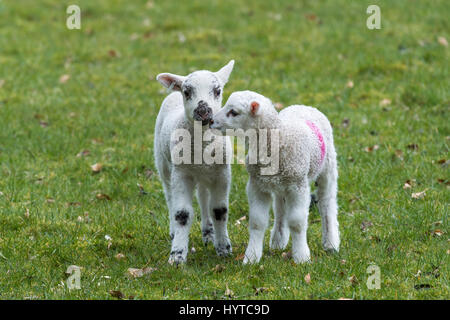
[306, 154]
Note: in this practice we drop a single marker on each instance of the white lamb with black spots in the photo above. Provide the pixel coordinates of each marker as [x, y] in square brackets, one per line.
[196, 98]
[306, 154]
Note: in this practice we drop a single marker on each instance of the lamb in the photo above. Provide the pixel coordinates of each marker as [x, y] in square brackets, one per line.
[196, 98]
[306, 154]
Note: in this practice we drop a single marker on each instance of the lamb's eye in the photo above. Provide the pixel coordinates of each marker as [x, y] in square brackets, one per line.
[232, 113]
[187, 93]
[217, 91]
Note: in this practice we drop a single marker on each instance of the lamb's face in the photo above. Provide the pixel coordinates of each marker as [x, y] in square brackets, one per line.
[201, 90]
[242, 111]
[202, 95]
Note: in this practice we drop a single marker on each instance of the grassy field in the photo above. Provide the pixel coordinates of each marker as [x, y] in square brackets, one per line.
[72, 98]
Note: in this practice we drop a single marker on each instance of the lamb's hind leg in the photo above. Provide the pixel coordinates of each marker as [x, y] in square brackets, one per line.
[327, 205]
[297, 203]
[279, 236]
[207, 226]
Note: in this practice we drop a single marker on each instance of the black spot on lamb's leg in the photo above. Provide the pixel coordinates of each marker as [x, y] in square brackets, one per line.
[177, 257]
[182, 217]
[220, 213]
[208, 234]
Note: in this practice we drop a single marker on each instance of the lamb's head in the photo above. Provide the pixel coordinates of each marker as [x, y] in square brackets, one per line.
[243, 110]
[201, 91]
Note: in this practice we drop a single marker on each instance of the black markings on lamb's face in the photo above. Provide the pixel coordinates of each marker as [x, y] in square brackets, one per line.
[216, 91]
[188, 92]
[220, 213]
[182, 217]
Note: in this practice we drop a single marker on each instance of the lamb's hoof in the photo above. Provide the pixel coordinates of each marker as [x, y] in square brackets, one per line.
[303, 256]
[223, 248]
[331, 247]
[279, 241]
[251, 259]
[177, 257]
[208, 236]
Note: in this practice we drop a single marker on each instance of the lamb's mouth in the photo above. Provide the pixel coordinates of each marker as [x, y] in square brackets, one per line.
[203, 114]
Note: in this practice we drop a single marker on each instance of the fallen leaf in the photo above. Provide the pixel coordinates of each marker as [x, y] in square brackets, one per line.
[353, 280]
[228, 292]
[373, 148]
[308, 278]
[113, 53]
[406, 186]
[240, 257]
[365, 225]
[399, 154]
[350, 84]
[137, 273]
[102, 196]
[83, 153]
[50, 200]
[278, 105]
[27, 213]
[385, 102]
[96, 168]
[181, 37]
[119, 256]
[43, 124]
[438, 233]
[442, 41]
[261, 290]
[286, 255]
[2, 82]
[116, 294]
[218, 268]
[64, 78]
[413, 146]
[345, 123]
[418, 195]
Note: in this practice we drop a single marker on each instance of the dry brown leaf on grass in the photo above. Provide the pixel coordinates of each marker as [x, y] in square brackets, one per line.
[238, 221]
[240, 257]
[119, 256]
[385, 102]
[353, 280]
[345, 123]
[27, 213]
[2, 82]
[418, 195]
[350, 84]
[116, 294]
[64, 78]
[102, 196]
[278, 105]
[373, 148]
[228, 293]
[442, 41]
[308, 278]
[137, 273]
[97, 167]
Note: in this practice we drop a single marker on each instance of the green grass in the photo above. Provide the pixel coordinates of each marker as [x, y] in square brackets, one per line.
[293, 52]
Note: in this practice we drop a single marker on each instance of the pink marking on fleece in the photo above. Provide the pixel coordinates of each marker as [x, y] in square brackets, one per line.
[319, 135]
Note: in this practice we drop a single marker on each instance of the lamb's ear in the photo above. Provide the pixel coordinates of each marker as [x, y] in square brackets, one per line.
[171, 81]
[224, 73]
[254, 108]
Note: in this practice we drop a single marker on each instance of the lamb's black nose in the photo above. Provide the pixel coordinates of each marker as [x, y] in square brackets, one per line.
[203, 113]
[202, 104]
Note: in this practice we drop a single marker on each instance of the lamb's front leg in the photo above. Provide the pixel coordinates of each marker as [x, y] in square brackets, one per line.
[259, 203]
[297, 217]
[181, 215]
[207, 225]
[219, 210]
